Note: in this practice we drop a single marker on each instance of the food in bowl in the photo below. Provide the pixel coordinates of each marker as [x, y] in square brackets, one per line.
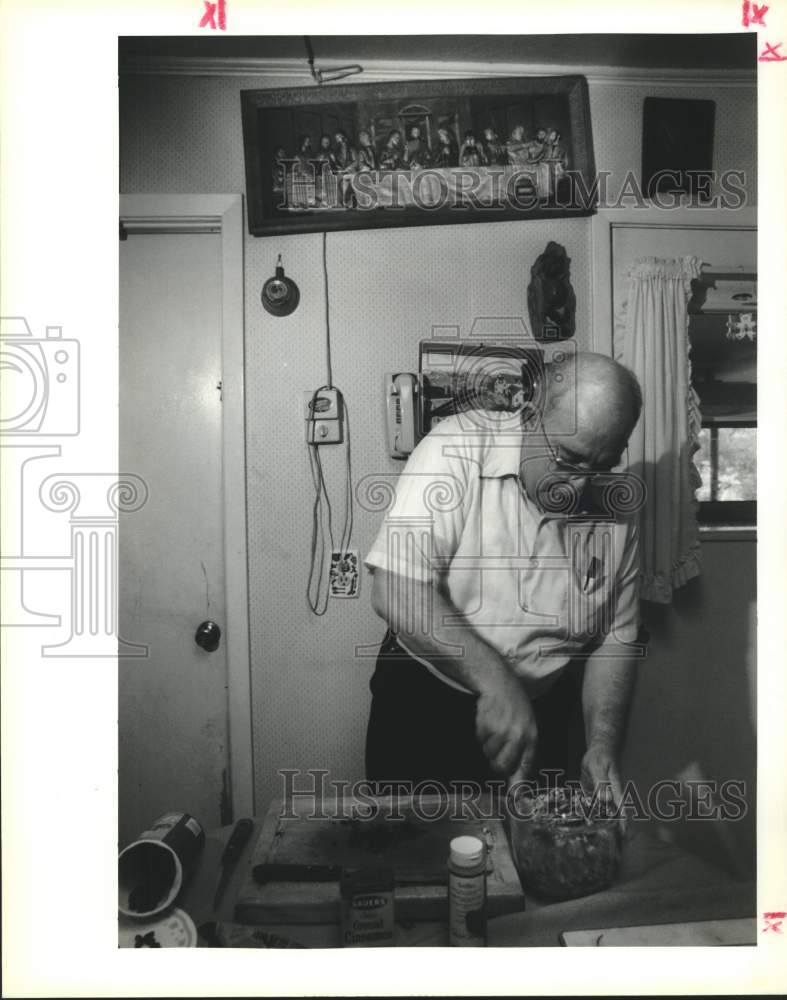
[565, 845]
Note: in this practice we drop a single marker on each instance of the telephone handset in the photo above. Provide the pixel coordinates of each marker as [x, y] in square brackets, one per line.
[402, 403]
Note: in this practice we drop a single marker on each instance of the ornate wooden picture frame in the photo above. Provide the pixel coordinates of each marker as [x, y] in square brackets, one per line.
[417, 153]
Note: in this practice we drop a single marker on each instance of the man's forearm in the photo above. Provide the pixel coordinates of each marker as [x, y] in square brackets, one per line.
[505, 725]
[606, 699]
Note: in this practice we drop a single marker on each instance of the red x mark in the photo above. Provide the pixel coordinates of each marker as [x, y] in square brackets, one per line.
[753, 13]
[773, 921]
[209, 17]
[769, 53]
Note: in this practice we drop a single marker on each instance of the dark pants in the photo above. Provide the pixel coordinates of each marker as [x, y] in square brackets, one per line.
[420, 729]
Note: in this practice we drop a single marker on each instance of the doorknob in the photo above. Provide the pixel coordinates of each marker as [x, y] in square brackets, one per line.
[208, 635]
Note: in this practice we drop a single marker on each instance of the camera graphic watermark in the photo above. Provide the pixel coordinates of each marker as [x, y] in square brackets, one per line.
[496, 379]
[592, 550]
[483, 397]
[40, 403]
[41, 376]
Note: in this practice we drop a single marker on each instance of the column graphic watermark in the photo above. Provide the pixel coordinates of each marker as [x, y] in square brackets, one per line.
[41, 388]
[94, 502]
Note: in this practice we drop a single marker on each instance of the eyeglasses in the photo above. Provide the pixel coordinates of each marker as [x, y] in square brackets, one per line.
[558, 464]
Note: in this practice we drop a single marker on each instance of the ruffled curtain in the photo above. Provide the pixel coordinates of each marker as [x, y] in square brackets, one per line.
[662, 447]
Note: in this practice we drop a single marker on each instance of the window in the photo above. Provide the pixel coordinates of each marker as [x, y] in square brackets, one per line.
[727, 463]
[723, 338]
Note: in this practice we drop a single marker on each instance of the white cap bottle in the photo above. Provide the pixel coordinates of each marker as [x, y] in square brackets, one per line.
[467, 892]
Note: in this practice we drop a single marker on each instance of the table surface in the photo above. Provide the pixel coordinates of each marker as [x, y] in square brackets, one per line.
[658, 883]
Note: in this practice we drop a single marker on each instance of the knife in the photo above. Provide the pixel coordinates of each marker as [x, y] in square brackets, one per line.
[274, 872]
[230, 856]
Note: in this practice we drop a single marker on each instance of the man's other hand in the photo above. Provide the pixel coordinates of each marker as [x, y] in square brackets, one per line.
[600, 771]
[506, 726]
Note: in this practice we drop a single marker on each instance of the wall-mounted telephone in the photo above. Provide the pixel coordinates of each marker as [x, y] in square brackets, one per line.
[459, 375]
[403, 406]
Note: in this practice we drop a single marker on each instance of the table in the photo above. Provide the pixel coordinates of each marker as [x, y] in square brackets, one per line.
[658, 883]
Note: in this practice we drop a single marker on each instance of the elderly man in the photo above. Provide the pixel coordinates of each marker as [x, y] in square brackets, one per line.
[511, 597]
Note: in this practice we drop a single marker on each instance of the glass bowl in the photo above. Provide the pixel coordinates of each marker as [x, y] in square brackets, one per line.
[564, 846]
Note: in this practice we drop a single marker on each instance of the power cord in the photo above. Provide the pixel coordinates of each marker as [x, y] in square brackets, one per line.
[322, 516]
[327, 310]
[322, 510]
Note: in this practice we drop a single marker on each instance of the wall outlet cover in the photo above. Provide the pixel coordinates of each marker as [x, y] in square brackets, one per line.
[324, 416]
[343, 579]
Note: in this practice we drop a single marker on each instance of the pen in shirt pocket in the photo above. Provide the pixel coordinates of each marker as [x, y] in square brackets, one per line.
[592, 573]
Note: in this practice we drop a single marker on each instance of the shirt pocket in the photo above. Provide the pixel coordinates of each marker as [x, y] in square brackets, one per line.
[592, 604]
[590, 598]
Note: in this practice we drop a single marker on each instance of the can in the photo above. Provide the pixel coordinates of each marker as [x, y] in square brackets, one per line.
[153, 869]
[367, 907]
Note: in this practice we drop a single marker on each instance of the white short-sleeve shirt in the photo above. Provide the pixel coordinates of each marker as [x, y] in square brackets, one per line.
[541, 589]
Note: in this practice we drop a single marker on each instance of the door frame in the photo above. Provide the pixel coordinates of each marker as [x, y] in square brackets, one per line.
[222, 214]
[602, 230]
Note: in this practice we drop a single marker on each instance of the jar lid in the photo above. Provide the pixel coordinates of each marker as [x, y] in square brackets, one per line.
[467, 852]
[172, 929]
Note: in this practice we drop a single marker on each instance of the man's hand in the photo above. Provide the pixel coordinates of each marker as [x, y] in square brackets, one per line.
[600, 771]
[506, 726]
[606, 696]
[504, 721]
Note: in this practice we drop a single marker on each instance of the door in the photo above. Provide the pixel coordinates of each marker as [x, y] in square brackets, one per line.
[173, 727]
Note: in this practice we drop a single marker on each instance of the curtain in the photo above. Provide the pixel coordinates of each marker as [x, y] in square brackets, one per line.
[662, 447]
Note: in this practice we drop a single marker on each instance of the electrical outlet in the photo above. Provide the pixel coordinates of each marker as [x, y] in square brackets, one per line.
[343, 578]
[324, 416]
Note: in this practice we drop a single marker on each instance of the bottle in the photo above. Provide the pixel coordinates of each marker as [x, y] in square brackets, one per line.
[467, 893]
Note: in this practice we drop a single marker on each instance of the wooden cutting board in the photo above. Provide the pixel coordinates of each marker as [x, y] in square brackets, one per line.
[411, 845]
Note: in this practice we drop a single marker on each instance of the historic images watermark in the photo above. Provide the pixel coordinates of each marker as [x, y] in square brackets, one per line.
[309, 794]
[41, 403]
[511, 188]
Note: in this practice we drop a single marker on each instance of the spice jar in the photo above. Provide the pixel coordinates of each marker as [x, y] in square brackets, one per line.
[467, 892]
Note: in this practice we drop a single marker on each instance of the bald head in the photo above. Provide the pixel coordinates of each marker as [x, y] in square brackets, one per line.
[595, 399]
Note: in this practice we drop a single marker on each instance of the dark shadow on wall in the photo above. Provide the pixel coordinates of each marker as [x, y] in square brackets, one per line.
[694, 712]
